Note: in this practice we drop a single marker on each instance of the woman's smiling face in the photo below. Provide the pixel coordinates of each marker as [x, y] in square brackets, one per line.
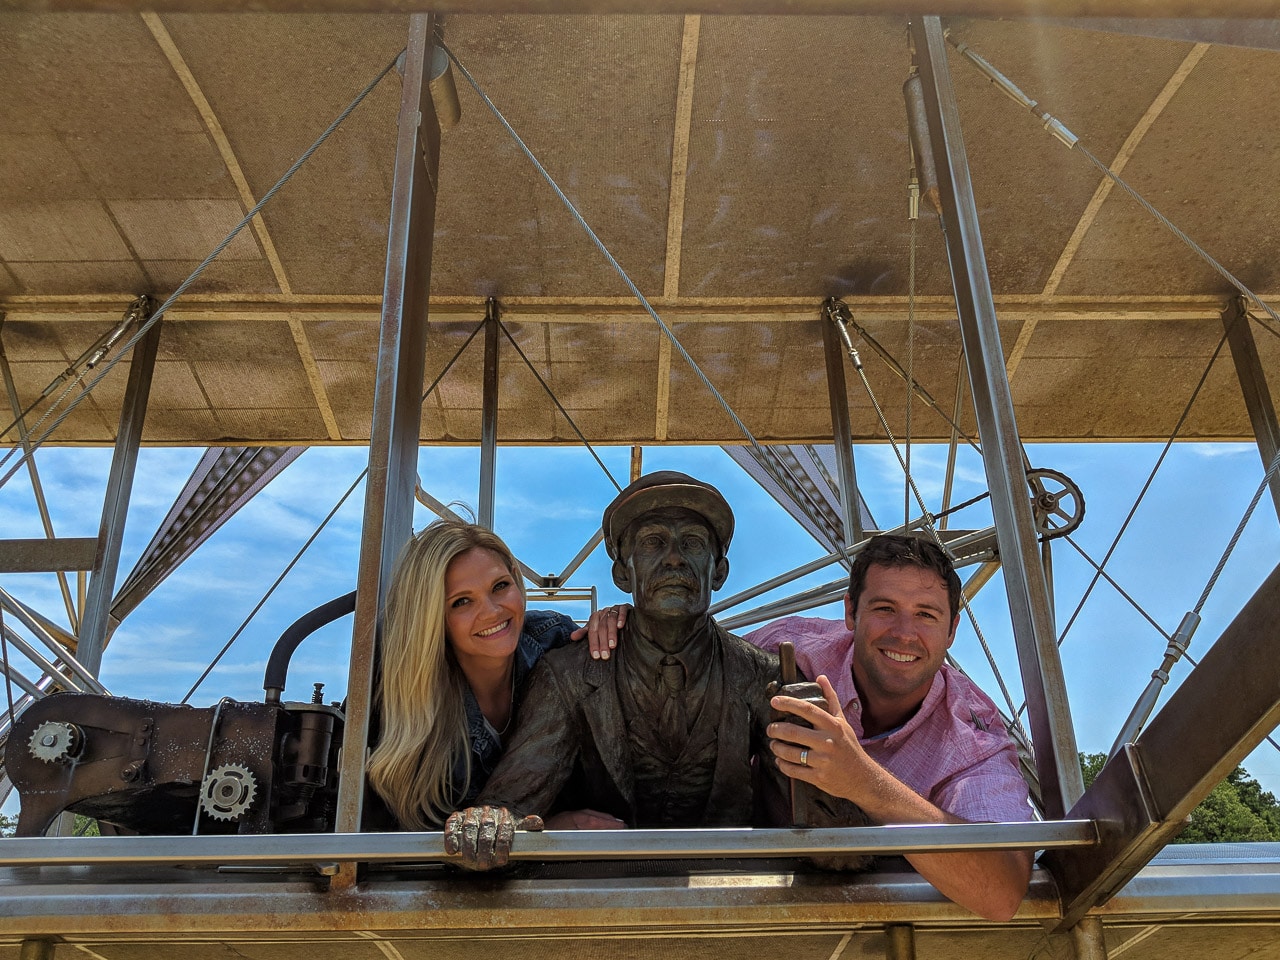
[483, 608]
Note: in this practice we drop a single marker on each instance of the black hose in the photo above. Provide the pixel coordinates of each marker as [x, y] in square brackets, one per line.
[299, 630]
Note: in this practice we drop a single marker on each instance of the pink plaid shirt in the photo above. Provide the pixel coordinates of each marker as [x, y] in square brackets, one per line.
[955, 751]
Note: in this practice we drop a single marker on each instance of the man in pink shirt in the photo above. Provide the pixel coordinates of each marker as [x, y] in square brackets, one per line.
[908, 739]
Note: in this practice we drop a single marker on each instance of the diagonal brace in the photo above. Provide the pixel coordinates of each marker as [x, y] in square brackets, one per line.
[1140, 800]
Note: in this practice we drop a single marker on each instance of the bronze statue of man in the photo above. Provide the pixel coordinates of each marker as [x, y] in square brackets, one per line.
[670, 731]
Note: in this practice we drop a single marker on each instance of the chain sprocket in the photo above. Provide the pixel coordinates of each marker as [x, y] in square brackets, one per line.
[228, 791]
[56, 742]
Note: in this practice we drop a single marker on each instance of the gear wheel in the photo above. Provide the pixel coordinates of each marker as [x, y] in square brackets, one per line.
[1057, 505]
[228, 792]
[56, 742]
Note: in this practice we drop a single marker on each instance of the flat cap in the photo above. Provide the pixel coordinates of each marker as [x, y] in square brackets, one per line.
[666, 488]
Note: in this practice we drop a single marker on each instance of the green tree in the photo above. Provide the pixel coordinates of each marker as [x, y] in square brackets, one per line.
[1236, 810]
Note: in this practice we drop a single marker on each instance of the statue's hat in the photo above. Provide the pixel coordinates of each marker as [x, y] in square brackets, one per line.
[666, 488]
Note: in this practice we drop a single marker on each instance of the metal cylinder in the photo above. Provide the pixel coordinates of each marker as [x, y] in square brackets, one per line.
[918, 134]
[901, 939]
[444, 92]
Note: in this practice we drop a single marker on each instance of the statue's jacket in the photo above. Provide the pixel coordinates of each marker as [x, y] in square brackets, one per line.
[571, 749]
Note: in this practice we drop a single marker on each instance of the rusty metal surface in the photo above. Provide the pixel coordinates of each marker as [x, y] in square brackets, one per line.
[142, 766]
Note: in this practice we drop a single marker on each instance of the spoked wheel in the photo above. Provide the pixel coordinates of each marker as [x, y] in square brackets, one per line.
[1057, 505]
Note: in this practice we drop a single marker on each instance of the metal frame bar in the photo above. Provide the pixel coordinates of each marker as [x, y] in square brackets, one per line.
[549, 845]
[948, 483]
[1032, 615]
[51, 634]
[1253, 384]
[57, 555]
[842, 434]
[580, 558]
[956, 541]
[71, 678]
[1142, 795]
[397, 401]
[102, 581]
[489, 415]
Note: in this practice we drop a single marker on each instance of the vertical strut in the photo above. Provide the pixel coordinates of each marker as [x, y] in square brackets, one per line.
[1029, 606]
[1253, 384]
[489, 415]
[397, 400]
[838, 395]
[124, 462]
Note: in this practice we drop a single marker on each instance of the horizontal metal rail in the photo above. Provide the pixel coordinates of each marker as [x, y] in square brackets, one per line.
[958, 542]
[737, 843]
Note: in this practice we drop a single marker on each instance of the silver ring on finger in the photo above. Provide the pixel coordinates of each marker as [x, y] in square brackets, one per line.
[804, 757]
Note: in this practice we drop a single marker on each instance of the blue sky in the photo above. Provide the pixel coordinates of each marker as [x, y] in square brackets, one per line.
[549, 503]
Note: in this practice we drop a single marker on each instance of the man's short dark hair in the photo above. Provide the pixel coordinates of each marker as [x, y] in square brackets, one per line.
[895, 550]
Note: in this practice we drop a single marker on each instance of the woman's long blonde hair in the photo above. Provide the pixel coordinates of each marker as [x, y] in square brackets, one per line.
[424, 724]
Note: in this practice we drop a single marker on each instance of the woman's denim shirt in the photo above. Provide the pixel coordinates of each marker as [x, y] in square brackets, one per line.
[543, 630]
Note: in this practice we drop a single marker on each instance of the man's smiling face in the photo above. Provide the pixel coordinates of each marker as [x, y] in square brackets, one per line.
[901, 633]
[673, 565]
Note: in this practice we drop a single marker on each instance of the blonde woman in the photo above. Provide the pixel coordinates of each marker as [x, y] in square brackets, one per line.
[457, 648]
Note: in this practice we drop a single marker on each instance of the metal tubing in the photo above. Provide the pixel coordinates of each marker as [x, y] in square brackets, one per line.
[838, 397]
[901, 942]
[46, 631]
[550, 845]
[956, 541]
[36, 949]
[1042, 680]
[41, 662]
[397, 399]
[948, 483]
[115, 507]
[1088, 939]
[1253, 384]
[489, 415]
[15, 676]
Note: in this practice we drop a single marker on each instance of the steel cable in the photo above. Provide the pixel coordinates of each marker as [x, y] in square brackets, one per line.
[311, 539]
[585, 442]
[182, 287]
[781, 479]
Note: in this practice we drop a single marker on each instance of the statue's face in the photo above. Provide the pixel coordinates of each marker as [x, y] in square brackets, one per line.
[673, 563]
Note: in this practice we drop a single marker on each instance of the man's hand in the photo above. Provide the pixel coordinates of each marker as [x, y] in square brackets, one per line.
[482, 836]
[804, 691]
[824, 751]
[602, 629]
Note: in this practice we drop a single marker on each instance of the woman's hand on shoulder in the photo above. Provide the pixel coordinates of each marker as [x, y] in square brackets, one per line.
[603, 629]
